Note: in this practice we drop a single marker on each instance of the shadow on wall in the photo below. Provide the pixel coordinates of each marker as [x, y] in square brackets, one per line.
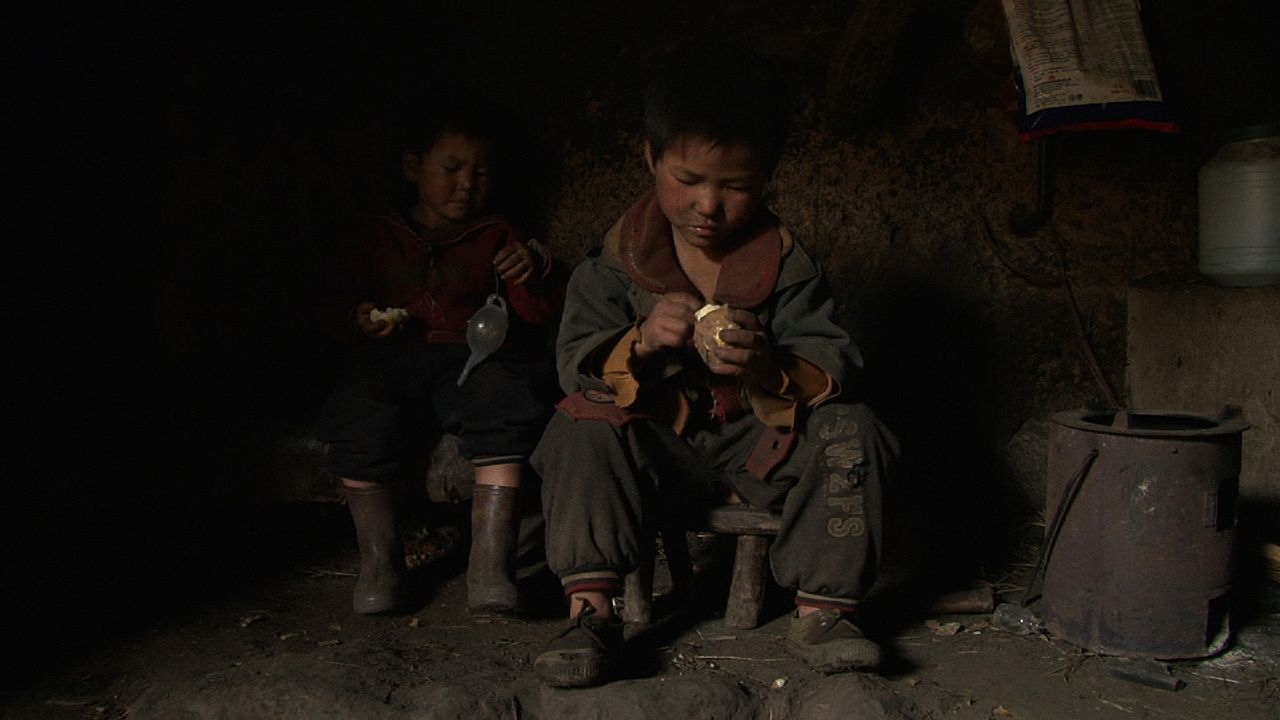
[930, 366]
[1256, 556]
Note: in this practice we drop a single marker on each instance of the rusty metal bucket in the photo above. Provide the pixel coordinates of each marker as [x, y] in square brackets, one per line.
[1141, 563]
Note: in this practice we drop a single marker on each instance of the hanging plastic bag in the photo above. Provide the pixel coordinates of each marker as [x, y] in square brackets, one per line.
[1083, 65]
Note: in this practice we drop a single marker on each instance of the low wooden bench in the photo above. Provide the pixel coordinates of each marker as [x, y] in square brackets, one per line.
[292, 469]
[754, 529]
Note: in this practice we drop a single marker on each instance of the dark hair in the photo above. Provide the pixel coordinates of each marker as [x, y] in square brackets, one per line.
[443, 111]
[718, 92]
[420, 124]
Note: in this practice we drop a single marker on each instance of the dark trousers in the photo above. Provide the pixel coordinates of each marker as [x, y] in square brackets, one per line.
[603, 484]
[397, 395]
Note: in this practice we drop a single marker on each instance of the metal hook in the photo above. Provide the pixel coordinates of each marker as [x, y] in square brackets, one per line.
[1022, 222]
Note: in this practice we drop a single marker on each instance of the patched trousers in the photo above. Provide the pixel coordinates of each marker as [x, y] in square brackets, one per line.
[605, 484]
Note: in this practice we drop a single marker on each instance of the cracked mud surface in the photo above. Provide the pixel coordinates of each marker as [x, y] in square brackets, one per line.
[264, 630]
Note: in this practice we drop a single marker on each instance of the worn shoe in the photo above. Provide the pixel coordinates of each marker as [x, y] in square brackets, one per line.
[830, 642]
[583, 654]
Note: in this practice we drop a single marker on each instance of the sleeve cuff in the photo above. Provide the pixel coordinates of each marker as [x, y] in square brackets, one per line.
[803, 383]
[810, 384]
[618, 372]
[773, 409]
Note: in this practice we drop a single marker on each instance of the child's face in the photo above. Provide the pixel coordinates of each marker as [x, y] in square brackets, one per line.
[452, 178]
[708, 191]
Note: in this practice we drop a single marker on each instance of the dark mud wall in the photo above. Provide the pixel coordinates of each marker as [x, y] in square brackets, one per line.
[238, 143]
[272, 136]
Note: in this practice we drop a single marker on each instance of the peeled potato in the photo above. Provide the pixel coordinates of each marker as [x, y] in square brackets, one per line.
[391, 315]
[711, 319]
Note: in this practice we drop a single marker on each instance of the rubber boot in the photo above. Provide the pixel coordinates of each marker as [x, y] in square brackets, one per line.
[380, 584]
[491, 587]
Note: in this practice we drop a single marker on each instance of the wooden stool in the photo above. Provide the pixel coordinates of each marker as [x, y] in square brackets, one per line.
[755, 529]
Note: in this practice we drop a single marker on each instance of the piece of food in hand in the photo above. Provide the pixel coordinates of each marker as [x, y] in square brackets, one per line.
[391, 315]
[711, 320]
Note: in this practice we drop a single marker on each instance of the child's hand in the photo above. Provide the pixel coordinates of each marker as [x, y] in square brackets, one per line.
[516, 263]
[747, 353]
[670, 325]
[377, 329]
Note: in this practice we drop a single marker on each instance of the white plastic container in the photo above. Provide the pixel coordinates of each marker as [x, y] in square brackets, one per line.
[1240, 209]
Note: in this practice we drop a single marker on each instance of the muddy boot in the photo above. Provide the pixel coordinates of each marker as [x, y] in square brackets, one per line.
[380, 585]
[491, 587]
[583, 654]
[830, 642]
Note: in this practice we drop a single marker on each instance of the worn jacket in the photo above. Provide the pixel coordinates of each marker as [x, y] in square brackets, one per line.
[441, 277]
[767, 273]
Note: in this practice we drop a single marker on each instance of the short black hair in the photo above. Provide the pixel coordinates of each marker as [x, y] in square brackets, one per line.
[720, 92]
[450, 110]
[431, 113]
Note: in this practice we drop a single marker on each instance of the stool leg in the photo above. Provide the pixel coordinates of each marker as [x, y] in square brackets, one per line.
[637, 598]
[746, 592]
[675, 545]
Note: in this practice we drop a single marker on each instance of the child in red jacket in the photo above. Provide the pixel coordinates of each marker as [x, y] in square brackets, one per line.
[409, 282]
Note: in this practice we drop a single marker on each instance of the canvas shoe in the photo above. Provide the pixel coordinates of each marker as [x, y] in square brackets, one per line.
[830, 642]
[583, 654]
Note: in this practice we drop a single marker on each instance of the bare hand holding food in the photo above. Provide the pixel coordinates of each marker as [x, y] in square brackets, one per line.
[739, 347]
[377, 323]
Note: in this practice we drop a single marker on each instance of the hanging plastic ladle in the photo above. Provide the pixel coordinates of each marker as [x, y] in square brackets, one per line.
[486, 330]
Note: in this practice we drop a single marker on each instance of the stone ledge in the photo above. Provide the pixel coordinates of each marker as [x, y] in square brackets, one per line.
[1197, 348]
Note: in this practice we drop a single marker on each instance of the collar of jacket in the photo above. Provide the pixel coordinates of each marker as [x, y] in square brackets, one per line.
[446, 234]
[643, 243]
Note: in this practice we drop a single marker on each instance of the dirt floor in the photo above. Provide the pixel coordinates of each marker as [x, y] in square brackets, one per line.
[262, 629]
